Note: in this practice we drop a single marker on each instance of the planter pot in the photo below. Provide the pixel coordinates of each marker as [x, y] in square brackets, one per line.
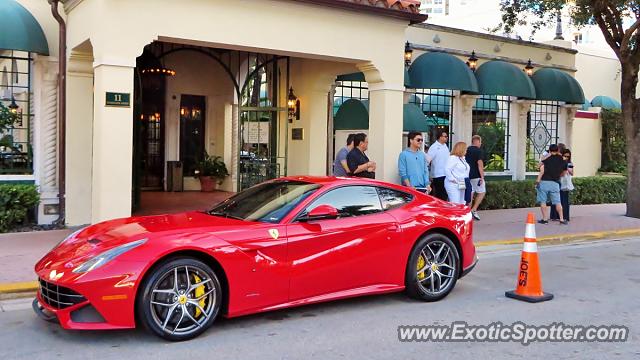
[208, 183]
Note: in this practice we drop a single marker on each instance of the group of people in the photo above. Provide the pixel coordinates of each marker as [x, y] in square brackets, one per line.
[457, 176]
[554, 183]
[453, 176]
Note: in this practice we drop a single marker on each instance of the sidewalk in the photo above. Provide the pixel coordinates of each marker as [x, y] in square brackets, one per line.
[20, 251]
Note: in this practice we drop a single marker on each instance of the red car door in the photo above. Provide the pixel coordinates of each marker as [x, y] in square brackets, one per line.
[358, 249]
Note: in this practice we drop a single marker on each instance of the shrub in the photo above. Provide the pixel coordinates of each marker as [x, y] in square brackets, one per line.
[15, 203]
[522, 194]
[614, 153]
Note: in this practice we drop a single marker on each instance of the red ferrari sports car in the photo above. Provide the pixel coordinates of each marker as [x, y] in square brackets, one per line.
[282, 243]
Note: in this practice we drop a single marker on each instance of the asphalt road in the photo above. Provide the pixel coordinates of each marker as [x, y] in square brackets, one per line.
[593, 283]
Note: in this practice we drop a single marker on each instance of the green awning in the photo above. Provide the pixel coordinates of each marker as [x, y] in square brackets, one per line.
[413, 119]
[487, 103]
[437, 70]
[606, 102]
[19, 30]
[556, 85]
[353, 114]
[502, 78]
[358, 76]
[407, 79]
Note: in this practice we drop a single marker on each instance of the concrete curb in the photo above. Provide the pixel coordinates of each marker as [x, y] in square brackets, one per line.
[18, 287]
[599, 235]
[32, 286]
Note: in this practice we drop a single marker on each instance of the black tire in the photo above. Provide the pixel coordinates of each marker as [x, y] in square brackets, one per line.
[199, 306]
[422, 289]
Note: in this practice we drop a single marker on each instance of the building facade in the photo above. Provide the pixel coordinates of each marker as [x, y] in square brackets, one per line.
[270, 86]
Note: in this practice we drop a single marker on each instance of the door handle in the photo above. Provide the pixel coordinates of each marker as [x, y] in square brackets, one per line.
[394, 228]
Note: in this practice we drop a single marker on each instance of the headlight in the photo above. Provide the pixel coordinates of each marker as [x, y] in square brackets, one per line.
[107, 256]
[72, 235]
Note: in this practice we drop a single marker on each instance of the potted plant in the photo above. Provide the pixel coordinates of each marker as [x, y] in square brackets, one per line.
[211, 172]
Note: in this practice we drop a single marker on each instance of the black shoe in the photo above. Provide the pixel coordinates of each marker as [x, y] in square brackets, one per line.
[564, 222]
[544, 222]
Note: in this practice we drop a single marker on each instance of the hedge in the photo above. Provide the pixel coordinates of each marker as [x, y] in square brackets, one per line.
[15, 203]
[522, 194]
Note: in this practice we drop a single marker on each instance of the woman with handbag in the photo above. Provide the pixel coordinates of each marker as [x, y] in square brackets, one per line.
[457, 171]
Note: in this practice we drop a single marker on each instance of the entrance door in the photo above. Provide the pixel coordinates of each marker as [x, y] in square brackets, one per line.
[259, 153]
[192, 117]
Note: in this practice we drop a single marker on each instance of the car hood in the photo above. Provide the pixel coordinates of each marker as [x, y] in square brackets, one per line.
[95, 239]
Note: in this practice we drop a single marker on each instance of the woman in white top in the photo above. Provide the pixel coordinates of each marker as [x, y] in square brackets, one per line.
[456, 171]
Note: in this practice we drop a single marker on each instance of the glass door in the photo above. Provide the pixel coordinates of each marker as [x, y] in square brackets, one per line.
[192, 112]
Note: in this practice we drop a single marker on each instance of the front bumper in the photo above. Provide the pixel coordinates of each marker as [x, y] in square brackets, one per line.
[98, 300]
[469, 268]
[82, 315]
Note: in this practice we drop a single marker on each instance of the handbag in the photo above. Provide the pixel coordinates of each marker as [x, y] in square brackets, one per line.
[462, 185]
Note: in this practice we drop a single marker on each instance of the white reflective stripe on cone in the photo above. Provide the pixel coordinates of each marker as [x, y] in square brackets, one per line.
[530, 231]
[530, 247]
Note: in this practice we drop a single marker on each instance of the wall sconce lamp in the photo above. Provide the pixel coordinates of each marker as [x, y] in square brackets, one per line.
[472, 63]
[408, 54]
[13, 107]
[529, 68]
[293, 104]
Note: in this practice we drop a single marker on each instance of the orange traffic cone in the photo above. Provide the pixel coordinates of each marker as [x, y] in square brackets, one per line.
[529, 286]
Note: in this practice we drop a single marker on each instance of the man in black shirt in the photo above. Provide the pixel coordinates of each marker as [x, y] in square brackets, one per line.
[475, 158]
[357, 161]
[548, 183]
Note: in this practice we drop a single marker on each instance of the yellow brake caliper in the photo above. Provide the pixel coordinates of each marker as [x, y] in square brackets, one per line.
[199, 292]
[421, 263]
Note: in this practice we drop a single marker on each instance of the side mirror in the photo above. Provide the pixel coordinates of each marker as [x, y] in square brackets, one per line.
[321, 212]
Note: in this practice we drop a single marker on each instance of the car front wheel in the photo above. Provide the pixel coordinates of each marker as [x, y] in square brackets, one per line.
[180, 299]
[433, 268]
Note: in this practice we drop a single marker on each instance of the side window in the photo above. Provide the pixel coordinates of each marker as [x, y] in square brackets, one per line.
[392, 199]
[350, 201]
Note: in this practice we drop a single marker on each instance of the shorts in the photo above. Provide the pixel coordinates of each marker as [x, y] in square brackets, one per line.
[548, 191]
[478, 189]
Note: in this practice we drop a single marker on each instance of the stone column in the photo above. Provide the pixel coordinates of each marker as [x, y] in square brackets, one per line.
[518, 156]
[79, 159]
[112, 144]
[235, 146]
[463, 118]
[45, 132]
[386, 100]
[569, 114]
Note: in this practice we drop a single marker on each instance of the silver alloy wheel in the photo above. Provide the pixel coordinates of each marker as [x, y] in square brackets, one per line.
[438, 271]
[183, 300]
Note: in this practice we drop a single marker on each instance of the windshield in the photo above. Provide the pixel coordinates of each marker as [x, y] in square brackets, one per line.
[269, 202]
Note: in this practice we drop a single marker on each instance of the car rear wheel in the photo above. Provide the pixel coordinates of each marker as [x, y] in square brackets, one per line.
[433, 268]
[180, 299]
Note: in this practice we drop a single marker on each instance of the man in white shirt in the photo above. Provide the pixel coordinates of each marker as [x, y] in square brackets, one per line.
[437, 156]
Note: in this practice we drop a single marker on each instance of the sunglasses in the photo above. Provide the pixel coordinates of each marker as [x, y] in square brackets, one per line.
[419, 140]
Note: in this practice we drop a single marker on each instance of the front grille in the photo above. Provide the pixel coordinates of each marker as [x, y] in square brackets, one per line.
[59, 297]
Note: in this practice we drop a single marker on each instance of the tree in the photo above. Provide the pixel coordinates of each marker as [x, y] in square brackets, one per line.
[610, 16]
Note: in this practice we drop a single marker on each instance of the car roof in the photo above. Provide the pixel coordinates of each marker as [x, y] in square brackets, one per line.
[338, 180]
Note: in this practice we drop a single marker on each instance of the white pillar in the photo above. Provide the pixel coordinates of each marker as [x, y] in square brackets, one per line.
[112, 144]
[514, 137]
[235, 146]
[79, 139]
[45, 132]
[463, 118]
[569, 112]
[519, 156]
